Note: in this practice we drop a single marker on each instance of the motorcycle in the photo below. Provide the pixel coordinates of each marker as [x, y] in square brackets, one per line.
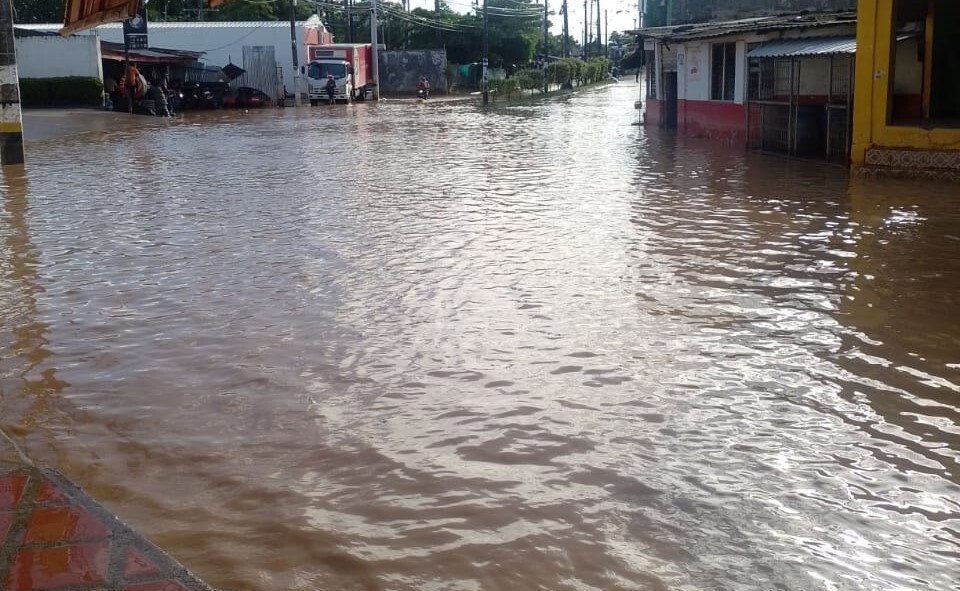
[422, 94]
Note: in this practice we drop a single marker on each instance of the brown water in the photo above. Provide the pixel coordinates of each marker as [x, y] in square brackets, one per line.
[429, 347]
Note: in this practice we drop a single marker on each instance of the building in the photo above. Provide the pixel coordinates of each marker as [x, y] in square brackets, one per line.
[660, 13]
[263, 49]
[907, 97]
[780, 83]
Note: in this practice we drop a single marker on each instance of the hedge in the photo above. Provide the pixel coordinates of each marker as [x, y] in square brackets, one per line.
[69, 91]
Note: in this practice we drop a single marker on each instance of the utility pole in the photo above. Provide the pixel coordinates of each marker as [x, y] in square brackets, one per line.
[11, 119]
[349, 4]
[566, 31]
[590, 25]
[375, 50]
[585, 25]
[485, 81]
[293, 49]
[436, 9]
[546, 31]
[606, 33]
[599, 37]
[128, 80]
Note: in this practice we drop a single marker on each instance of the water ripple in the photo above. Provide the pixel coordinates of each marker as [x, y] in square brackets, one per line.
[431, 347]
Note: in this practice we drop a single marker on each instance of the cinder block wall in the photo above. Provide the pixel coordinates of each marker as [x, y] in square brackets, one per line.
[401, 70]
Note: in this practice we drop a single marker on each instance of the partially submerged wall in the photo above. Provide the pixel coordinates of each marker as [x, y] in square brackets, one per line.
[401, 70]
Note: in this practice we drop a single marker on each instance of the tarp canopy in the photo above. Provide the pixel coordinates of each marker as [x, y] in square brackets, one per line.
[232, 71]
[87, 14]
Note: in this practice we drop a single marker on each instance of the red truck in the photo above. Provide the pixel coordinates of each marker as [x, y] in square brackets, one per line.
[350, 64]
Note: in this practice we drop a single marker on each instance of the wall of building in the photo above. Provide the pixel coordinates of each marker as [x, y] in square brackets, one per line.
[223, 42]
[872, 132]
[697, 114]
[53, 56]
[871, 128]
[401, 70]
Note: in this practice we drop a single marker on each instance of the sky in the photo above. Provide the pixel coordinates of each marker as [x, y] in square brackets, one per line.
[621, 14]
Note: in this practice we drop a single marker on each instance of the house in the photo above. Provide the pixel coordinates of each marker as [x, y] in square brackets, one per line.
[777, 83]
[907, 97]
[658, 13]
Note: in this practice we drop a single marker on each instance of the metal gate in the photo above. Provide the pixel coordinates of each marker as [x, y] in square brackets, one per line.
[800, 103]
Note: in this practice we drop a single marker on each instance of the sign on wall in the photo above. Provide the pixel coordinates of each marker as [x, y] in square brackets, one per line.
[135, 29]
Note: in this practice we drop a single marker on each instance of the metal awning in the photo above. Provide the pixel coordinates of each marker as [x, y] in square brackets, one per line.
[152, 55]
[806, 46]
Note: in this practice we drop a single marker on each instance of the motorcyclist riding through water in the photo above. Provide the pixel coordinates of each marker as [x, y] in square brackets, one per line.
[423, 88]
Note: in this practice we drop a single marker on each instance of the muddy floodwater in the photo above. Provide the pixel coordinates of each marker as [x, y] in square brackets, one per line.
[410, 347]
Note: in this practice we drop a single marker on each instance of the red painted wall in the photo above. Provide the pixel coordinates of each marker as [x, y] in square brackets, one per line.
[652, 115]
[716, 120]
[907, 107]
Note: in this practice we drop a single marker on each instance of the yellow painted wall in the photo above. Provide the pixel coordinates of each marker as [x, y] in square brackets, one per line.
[871, 96]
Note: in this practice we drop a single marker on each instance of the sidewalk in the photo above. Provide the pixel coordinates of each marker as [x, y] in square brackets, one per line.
[53, 537]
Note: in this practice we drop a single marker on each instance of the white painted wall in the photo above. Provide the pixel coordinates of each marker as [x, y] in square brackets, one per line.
[695, 79]
[814, 76]
[908, 69]
[52, 56]
[695, 73]
[222, 43]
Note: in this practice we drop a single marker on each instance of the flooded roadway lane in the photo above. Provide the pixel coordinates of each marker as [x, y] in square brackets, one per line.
[429, 347]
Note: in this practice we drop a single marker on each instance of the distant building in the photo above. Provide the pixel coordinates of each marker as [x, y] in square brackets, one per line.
[659, 13]
[780, 84]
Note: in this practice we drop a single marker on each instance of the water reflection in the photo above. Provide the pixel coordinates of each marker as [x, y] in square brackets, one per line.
[24, 337]
[407, 346]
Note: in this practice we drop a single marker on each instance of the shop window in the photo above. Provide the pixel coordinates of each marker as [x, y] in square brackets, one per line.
[723, 71]
[924, 59]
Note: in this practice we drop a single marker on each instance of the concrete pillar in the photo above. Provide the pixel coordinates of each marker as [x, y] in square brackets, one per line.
[11, 119]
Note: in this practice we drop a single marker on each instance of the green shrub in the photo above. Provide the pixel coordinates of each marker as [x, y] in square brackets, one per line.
[529, 79]
[70, 91]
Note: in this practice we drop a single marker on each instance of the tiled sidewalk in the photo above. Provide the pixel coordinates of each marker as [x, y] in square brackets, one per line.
[53, 537]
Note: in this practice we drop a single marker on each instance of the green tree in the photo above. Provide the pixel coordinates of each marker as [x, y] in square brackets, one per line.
[249, 10]
[38, 11]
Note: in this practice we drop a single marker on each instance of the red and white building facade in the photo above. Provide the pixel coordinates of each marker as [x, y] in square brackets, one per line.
[699, 78]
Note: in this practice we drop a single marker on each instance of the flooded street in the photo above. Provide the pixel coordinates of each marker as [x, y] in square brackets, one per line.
[410, 347]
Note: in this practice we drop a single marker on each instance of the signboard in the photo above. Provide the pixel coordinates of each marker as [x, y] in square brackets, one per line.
[319, 54]
[135, 30]
[649, 44]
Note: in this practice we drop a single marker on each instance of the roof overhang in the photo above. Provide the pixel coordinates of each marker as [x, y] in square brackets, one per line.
[805, 47]
[150, 55]
[80, 15]
[756, 25]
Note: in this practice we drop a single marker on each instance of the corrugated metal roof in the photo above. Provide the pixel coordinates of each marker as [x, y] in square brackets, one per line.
[805, 46]
[763, 24]
[152, 52]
